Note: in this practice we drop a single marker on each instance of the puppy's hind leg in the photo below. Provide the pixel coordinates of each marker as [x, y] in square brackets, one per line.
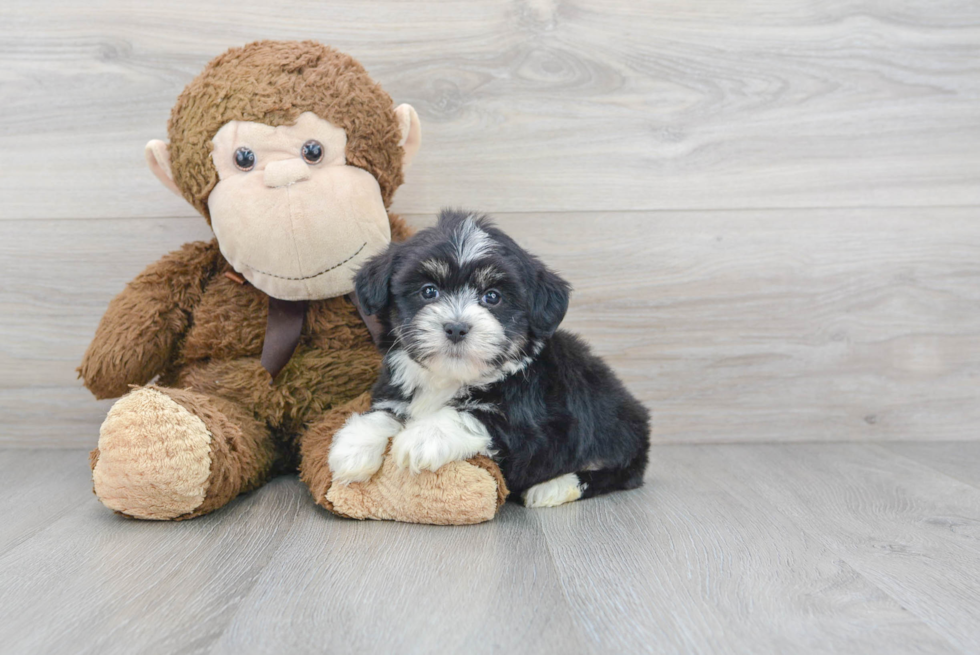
[554, 492]
[596, 483]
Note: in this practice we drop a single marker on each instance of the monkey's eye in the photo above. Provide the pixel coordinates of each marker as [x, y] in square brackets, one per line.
[312, 152]
[491, 297]
[429, 292]
[244, 159]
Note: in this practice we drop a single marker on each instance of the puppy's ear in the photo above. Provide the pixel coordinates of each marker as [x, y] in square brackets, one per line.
[373, 282]
[549, 302]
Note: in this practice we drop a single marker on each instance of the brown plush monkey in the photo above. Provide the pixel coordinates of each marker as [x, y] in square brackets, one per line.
[292, 153]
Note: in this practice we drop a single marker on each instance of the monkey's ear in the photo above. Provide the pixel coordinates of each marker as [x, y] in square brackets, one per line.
[549, 302]
[158, 159]
[411, 128]
[372, 282]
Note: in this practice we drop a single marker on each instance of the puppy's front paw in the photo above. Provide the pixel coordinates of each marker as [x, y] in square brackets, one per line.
[420, 448]
[354, 461]
[358, 448]
[446, 436]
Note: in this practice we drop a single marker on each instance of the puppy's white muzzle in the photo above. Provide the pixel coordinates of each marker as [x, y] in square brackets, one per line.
[458, 334]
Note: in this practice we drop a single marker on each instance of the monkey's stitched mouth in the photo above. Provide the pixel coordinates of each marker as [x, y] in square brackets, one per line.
[310, 277]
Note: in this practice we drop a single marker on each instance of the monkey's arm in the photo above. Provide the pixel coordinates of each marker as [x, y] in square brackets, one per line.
[136, 336]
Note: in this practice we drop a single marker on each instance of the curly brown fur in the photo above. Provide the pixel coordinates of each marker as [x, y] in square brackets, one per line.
[136, 337]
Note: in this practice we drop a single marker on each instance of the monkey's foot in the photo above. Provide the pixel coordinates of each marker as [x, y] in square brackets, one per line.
[153, 460]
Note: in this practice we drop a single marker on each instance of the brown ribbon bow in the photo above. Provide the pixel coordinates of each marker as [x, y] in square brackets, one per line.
[282, 332]
[285, 325]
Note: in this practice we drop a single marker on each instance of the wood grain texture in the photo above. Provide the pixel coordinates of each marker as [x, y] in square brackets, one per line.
[907, 529]
[956, 459]
[40, 487]
[728, 549]
[693, 564]
[93, 582]
[381, 587]
[534, 105]
[803, 325]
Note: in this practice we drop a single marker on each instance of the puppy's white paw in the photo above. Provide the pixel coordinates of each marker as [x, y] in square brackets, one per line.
[554, 492]
[419, 448]
[354, 461]
[358, 448]
[445, 436]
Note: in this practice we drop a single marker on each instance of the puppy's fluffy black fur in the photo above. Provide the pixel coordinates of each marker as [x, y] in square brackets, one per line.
[551, 407]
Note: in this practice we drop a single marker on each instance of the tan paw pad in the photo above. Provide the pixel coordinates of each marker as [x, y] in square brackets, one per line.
[154, 457]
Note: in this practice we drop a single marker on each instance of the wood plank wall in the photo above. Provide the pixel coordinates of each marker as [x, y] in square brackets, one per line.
[769, 210]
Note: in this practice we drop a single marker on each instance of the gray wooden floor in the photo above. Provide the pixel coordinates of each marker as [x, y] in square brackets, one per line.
[770, 213]
[843, 548]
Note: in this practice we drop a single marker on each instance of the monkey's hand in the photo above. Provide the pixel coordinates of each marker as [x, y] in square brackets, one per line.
[137, 334]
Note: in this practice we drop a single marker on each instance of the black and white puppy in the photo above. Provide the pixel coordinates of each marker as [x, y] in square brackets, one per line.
[474, 364]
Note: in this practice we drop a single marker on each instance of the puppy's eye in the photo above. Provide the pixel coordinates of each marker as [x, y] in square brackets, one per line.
[491, 297]
[429, 292]
[312, 152]
[244, 159]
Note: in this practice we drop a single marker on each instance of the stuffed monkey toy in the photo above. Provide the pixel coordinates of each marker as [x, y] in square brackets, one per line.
[239, 358]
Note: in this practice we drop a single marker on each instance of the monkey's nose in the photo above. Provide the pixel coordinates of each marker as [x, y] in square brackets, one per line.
[285, 172]
[456, 332]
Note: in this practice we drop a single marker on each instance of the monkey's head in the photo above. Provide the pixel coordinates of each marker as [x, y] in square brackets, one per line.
[292, 153]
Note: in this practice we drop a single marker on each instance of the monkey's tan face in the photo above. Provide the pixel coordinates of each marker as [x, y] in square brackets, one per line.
[290, 215]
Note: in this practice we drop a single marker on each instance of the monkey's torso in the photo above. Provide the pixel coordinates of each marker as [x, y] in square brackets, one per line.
[335, 361]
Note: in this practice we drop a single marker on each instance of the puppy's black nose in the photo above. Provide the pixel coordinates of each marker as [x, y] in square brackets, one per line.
[456, 331]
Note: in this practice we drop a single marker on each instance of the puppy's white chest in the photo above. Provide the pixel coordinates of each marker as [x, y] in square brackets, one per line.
[435, 432]
[427, 391]
[429, 400]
